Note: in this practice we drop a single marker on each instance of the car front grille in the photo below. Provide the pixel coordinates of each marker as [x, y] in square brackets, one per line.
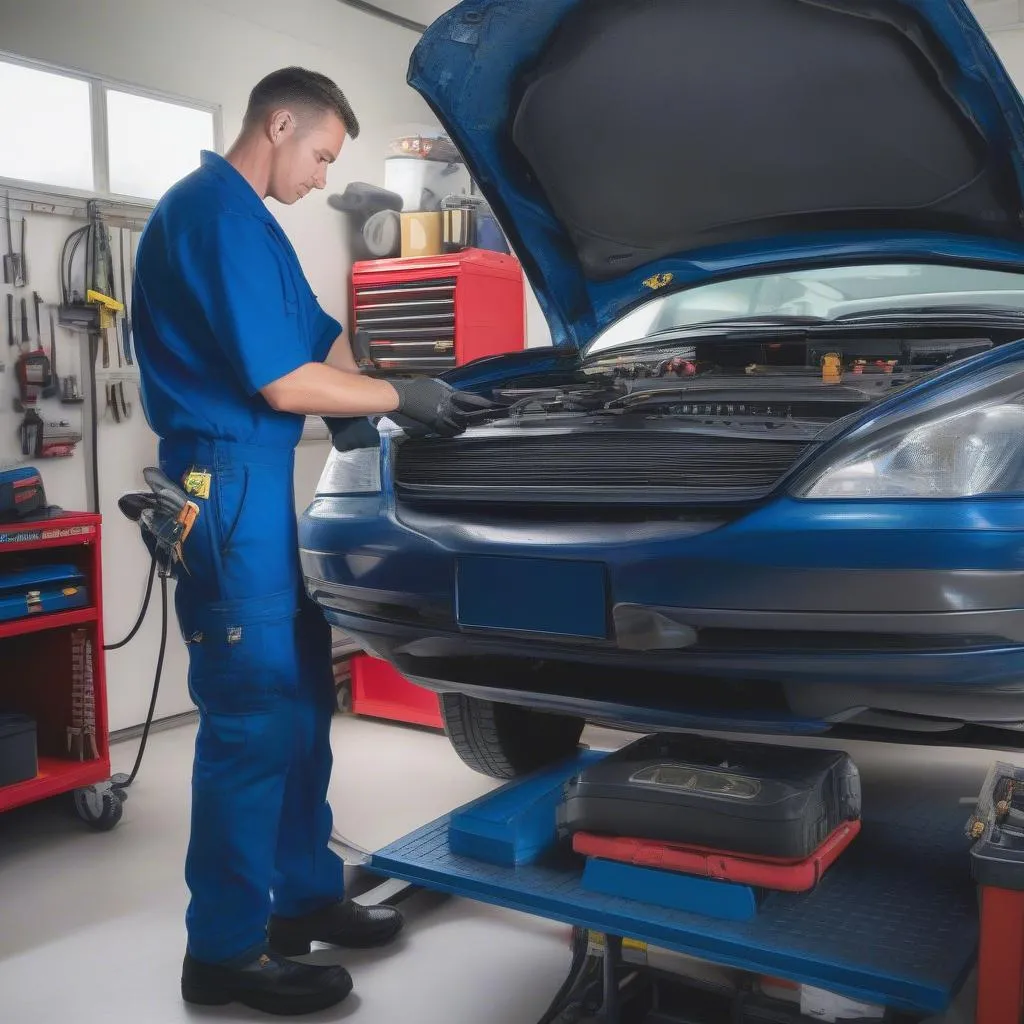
[599, 464]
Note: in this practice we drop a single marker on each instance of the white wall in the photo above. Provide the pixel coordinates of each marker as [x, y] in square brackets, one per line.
[1009, 44]
[213, 51]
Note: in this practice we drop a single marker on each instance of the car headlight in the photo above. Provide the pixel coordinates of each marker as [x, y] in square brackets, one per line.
[353, 472]
[962, 442]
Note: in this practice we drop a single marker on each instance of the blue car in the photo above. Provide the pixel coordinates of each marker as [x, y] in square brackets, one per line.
[769, 475]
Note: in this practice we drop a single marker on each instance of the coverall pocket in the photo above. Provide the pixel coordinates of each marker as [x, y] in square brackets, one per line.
[246, 668]
[230, 490]
[258, 542]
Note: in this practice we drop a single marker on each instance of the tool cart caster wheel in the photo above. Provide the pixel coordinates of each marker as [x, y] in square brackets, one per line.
[344, 695]
[100, 807]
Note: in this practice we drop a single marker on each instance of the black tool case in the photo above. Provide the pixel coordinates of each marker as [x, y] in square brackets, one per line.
[19, 760]
[996, 829]
[750, 798]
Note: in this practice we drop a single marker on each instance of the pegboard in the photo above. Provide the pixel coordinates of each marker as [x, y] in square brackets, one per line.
[67, 478]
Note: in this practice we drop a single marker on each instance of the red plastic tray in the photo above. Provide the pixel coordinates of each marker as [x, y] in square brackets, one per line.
[380, 691]
[765, 873]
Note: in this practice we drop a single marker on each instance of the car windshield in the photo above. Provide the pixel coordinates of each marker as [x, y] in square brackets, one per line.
[827, 293]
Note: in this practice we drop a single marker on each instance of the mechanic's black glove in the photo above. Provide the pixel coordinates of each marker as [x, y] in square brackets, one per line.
[349, 433]
[429, 406]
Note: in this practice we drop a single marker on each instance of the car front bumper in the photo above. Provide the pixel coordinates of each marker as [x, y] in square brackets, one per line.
[799, 614]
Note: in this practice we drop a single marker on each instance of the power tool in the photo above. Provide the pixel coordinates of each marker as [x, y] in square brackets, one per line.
[35, 377]
[48, 439]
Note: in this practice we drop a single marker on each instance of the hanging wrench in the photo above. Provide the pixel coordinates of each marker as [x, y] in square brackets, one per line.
[14, 269]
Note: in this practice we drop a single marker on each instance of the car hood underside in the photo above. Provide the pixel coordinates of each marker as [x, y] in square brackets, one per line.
[632, 147]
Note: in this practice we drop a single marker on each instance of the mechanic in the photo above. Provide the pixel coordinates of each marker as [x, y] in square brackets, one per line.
[234, 350]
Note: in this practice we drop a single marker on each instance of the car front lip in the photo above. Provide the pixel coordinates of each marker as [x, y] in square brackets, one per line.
[942, 578]
[657, 690]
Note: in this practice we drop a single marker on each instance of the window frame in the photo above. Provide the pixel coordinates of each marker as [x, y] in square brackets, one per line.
[98, 87]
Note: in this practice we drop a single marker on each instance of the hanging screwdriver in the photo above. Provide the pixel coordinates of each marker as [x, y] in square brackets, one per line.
[14, 263]
[22, 278]
[11, 338]
[26, 341]
[53, 345]
[126, 322]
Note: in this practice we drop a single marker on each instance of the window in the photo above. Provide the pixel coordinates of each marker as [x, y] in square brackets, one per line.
[83, 134]
[152, 143]
[50, 141]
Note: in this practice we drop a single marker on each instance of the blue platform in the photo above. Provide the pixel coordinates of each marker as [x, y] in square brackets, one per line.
[894, 922]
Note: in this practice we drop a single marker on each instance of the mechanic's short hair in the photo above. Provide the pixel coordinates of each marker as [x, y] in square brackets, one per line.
[299, 88]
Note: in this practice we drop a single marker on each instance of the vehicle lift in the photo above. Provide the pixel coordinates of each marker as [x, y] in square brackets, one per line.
[926, 893]
[929, 892]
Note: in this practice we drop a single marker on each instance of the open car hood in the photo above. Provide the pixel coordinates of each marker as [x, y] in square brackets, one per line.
[631, 147]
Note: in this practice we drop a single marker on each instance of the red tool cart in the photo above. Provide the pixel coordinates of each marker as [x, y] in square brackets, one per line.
[53, 698]
[424, 316]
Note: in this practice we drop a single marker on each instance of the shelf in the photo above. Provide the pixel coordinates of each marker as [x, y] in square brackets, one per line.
[55, 776]
[61, 532]
[53, 620]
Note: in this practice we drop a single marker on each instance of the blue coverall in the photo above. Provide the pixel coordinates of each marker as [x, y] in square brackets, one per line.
[220, 309]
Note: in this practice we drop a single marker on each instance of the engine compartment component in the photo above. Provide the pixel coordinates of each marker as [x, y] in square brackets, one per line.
[595, 465]
[715, 418]
[742, 377]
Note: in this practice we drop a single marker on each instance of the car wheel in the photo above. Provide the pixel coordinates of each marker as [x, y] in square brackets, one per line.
[505, 741]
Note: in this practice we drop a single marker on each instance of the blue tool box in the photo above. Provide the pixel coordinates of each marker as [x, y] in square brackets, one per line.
[21, 493]
[40, 590]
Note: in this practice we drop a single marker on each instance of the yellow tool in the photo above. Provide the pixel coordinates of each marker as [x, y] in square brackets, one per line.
[108, 309]
[197, 483]
[832, 368]
[186, 520]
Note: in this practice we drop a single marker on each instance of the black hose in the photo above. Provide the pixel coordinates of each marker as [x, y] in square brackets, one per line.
[66, 262]
[90, 267]
[142, 614]
[94, 420]
[580, 948]
[156, 687]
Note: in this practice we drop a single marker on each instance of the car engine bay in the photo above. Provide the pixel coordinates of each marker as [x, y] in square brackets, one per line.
[793, 381]
[715, 417]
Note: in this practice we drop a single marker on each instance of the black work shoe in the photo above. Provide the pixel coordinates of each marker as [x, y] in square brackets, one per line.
[268, 983]
[344, 924]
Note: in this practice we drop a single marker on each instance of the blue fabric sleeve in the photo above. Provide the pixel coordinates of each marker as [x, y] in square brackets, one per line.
[239, 277]
[326, 331]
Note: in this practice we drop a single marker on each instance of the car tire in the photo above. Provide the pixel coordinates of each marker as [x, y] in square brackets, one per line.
[504, 741]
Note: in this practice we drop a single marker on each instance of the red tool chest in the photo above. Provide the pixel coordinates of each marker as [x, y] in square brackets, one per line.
[53, 663]
[433, 313]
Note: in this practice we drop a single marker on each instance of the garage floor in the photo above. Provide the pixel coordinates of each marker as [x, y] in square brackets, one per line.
[92, 924]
